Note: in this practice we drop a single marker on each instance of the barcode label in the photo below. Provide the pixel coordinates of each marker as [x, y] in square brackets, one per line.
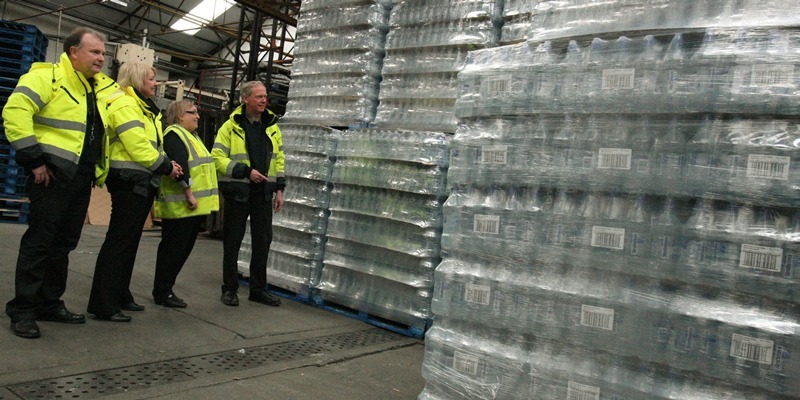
[597, 317]
[772, 75]
[578, 391]
[615, 159]
[760, 257]
[477, 293]
[465, 363]
[768, 167]
[752, 349]
[610, 238]
[618, 79]
[494, 154]
[496, 85]
[487, 224]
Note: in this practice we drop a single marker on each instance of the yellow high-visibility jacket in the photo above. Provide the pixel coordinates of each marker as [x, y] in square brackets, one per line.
[45, 117]
[136, 139]
[233, 161]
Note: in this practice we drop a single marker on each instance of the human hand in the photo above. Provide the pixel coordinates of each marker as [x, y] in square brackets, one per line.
[257, 177]
[42, 174]
[278, 206]
[192, 201]
[177, 171]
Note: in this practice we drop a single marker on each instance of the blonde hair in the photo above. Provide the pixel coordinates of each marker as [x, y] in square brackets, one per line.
[176, 109]
[133, 74]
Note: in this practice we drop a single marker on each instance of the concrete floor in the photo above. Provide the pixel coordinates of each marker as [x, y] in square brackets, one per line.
[205, 351]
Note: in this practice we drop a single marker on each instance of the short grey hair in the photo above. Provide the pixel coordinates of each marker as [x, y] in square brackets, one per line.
[247, 87]
[176, 109]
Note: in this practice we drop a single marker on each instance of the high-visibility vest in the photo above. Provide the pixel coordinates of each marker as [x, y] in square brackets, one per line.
[230, 148]
[171, 200]
[45, 116]
[136, 137]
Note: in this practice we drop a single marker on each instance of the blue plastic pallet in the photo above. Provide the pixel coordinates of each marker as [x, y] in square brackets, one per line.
[304, 298]
[14, 209]
[417, 332]
[21, 64]
[22, 52]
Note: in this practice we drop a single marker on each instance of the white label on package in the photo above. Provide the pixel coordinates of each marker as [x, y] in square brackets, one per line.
[497, 85]
[618, 79]
[615, 159]
[768, 167]
[771, 75]
[579, 391]
[597, 317]
[610, 238]
[465, 363]
[477, 293]
[752, 349]
[494, 154]
[487, 224]
[760, 257]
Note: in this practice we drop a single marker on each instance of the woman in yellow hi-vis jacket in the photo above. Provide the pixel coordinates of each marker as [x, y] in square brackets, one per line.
[137, 161]
[182, 204]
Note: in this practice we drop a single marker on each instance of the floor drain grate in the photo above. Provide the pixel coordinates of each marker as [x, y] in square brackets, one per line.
[120, 380]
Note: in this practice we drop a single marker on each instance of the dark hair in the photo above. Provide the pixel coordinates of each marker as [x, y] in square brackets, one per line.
[76, 36]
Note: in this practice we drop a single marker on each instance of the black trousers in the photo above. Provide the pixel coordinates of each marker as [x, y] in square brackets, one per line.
[55, 221]
[114, 268]
[178, 237]
[234, 225]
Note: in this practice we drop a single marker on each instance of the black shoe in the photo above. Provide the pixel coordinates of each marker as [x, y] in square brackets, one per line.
[62, 315]
[26, 328]
[264, 298]
[132, 306]
[118, 317]
[230, 298]
[170, 301]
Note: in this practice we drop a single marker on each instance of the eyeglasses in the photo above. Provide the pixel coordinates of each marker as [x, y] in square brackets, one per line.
[192, 112]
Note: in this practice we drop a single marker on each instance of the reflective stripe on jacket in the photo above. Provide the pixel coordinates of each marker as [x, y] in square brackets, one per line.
[171, 200]
[45, 117]
[136, 134]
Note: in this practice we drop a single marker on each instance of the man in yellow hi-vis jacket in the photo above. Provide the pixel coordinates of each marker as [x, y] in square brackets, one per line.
[248, 154]
[55, 121]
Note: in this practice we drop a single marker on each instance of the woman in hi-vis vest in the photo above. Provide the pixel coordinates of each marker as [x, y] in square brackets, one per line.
[182, 204]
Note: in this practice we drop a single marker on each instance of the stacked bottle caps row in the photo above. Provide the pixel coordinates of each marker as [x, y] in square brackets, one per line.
[517, 20]
[384, 231]
[651, 276]
[734, 158]
[720, 71]
[298, 245]
[465, 360]
[20, 46]
[336, 73]
[559, 18]
[425, 48]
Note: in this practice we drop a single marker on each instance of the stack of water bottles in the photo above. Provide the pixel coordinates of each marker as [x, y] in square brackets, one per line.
[623, 221]
[298, 244]
[337, 67]
[517, 20]
[425, 48]
[555, 19]
[384, 230]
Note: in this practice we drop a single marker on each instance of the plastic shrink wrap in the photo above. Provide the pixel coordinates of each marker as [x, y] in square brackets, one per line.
[338, 56]
[384, 231]
[425, 47]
